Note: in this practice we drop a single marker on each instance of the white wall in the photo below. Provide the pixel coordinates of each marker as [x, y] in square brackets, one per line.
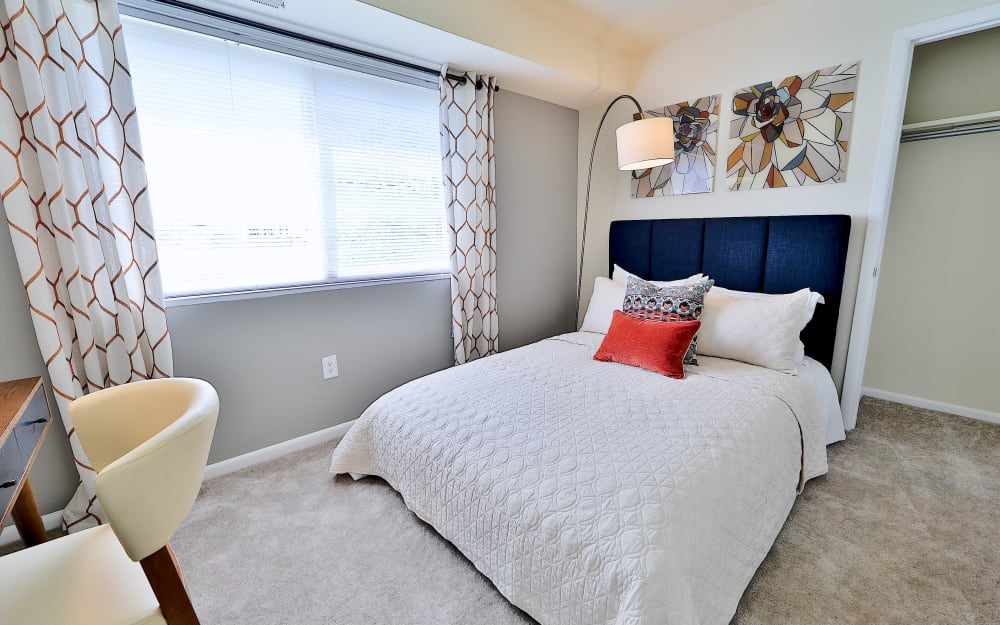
[544, 37]
[787, 37]
[934, 334]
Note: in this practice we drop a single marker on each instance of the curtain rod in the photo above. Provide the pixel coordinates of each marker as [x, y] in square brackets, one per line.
[314, 40]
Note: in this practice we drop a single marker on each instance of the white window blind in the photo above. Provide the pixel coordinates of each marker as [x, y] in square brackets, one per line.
[267, 170]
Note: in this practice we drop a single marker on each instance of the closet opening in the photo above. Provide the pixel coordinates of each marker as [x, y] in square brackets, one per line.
[905, 41]
[934, 340]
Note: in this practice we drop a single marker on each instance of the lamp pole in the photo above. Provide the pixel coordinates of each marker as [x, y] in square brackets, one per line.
[586, 202]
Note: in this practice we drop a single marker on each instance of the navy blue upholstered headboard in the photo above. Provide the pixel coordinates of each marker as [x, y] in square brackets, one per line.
[764, 254]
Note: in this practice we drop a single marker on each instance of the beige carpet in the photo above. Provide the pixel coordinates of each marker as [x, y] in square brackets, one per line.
[904, 530]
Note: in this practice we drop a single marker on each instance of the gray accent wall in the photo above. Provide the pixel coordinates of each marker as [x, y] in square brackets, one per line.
[954, 66]
[53, 478]
[536, 218]
[263, 355]
[934, 331]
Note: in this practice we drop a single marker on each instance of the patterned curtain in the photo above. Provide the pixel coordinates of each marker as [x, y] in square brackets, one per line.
[73, 187]
[470, 195]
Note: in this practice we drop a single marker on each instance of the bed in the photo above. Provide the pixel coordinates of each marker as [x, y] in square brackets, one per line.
[592, 492]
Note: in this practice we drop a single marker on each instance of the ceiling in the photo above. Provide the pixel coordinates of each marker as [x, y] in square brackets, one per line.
[636, 25]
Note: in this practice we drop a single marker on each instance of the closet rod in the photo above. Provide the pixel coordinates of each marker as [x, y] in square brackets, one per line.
[949, 133]
[952, 127]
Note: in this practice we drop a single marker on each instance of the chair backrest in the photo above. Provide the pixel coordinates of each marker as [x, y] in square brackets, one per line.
[149, 443]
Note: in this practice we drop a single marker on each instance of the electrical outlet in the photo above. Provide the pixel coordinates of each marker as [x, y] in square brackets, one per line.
[330, 369]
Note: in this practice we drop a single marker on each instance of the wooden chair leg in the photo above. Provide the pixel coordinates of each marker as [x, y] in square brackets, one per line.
[165, 578]
[27, 518]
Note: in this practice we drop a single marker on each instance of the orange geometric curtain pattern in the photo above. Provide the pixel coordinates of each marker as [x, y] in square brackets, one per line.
[73, 188]
[467, 147]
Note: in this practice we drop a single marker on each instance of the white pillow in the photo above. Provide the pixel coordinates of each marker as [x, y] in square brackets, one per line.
[608, 296]
[814, 298]
[762, 331]
[622, 276]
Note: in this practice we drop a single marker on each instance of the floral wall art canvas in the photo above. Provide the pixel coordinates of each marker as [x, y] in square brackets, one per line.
[792, 133]
[696, 137]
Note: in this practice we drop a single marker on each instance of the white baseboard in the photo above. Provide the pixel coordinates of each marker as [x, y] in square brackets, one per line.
[52, 521]
[278, 450]
[930, 404]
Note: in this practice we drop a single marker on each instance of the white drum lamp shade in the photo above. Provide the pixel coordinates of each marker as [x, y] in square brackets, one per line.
[645, 143]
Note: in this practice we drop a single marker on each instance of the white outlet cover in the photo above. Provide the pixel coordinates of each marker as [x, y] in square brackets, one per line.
[330, 368]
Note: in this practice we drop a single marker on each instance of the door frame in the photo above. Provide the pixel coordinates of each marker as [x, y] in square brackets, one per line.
[898, 80]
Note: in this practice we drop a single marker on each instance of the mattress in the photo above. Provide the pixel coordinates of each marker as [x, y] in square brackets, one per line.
[592, 492]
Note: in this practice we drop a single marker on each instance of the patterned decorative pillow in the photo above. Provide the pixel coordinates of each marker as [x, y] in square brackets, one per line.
[683, 302]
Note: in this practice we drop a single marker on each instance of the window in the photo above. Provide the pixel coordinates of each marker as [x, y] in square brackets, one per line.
[271, 170]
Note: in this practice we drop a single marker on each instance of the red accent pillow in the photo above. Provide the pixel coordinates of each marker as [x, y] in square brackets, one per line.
[652, 345]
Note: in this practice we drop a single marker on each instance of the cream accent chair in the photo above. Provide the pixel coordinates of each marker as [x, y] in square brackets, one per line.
[148, 442]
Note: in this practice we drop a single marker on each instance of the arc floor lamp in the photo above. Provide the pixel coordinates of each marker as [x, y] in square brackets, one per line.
[643, 143]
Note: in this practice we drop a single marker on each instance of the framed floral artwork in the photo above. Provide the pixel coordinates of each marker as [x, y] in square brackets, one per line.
[696, 137]
[792, 133]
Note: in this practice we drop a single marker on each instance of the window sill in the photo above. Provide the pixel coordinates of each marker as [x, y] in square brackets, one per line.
[208, 298]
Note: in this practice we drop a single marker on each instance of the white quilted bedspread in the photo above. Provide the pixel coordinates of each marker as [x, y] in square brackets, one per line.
[592, 492]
